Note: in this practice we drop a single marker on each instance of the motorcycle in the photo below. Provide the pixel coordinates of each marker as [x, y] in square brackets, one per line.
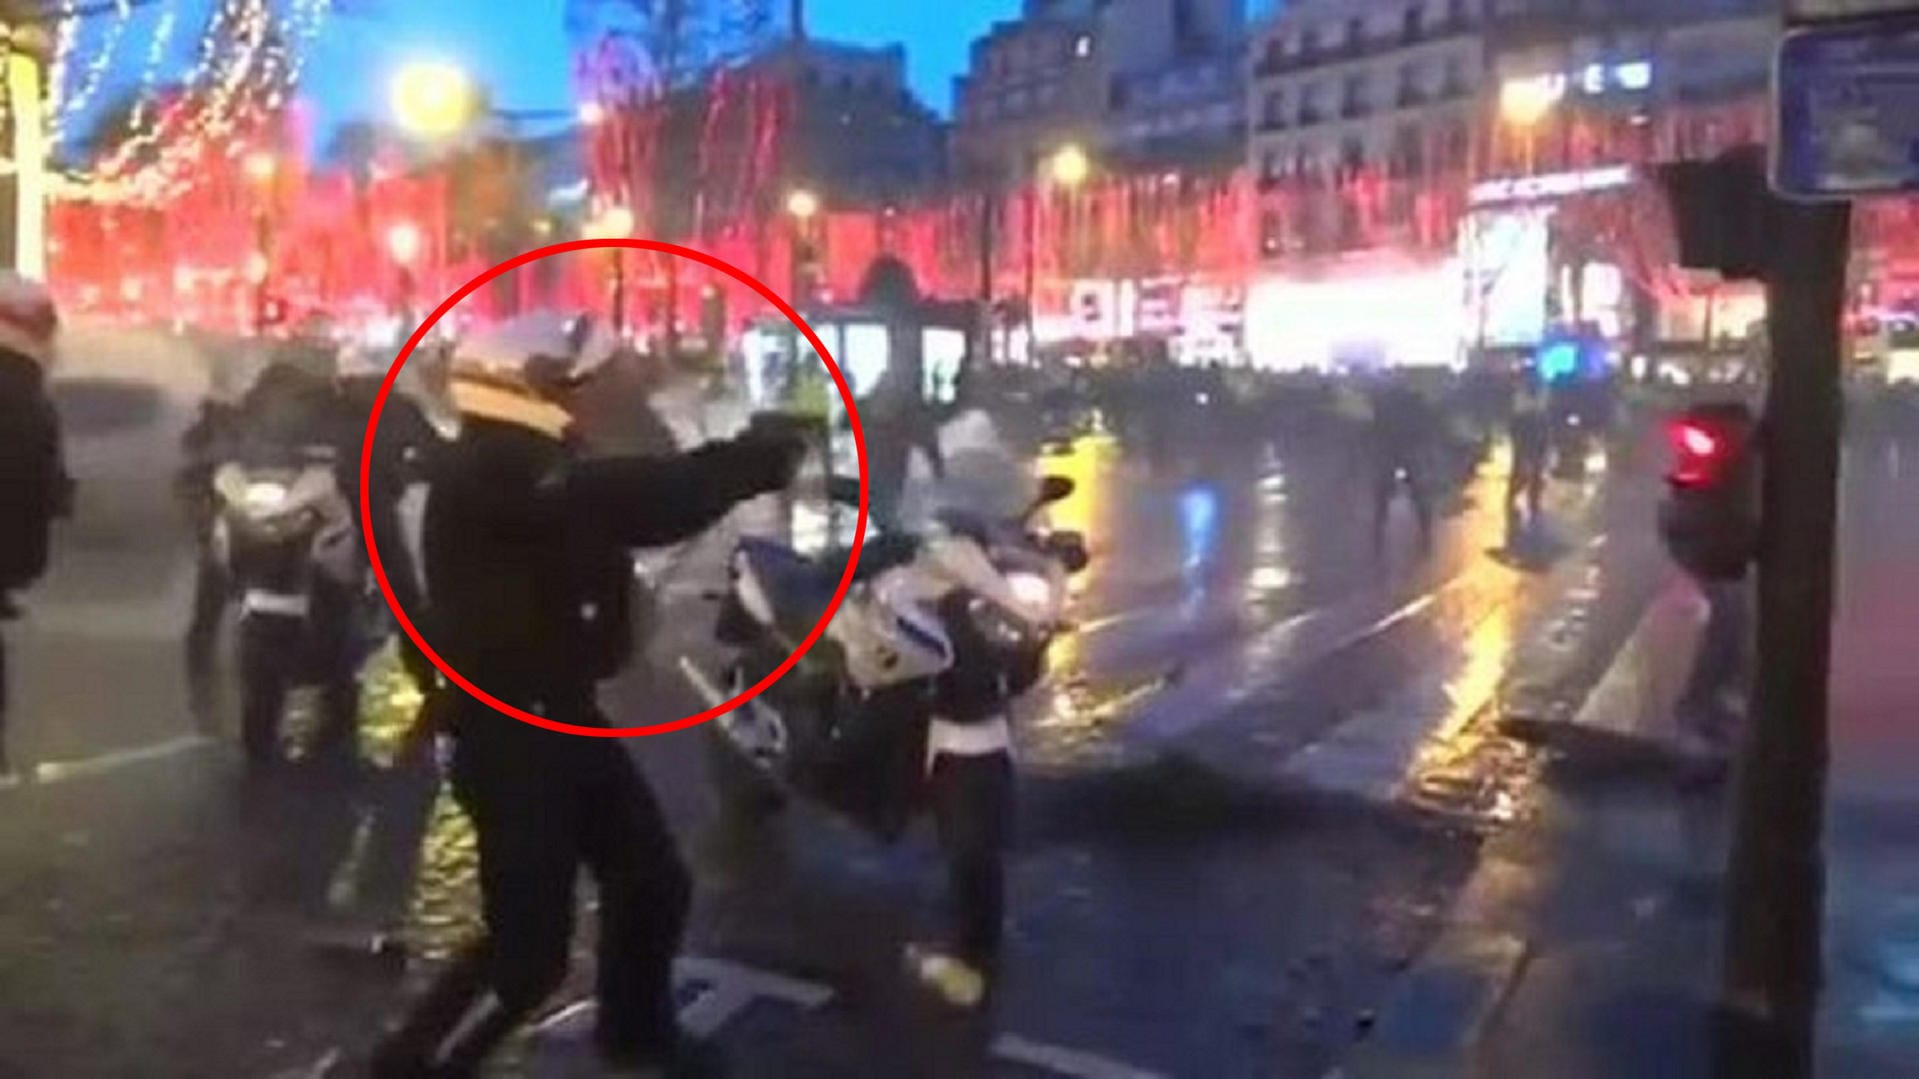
[929, 619]
[285, 535]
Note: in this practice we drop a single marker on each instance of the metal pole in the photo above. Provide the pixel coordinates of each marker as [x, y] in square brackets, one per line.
[1032, 253]
[1775, 884]
[989, 209]
[619, 292]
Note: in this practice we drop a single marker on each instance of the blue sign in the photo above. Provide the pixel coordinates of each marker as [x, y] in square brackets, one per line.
[1847, 100]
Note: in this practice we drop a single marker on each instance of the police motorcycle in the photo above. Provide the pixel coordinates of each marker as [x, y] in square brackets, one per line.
[969, 599]
[284, 533]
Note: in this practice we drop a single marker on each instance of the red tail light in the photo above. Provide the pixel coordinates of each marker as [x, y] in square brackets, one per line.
[1701, 451]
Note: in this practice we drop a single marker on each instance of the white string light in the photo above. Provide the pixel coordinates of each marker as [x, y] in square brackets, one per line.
[71, 105]
[246, 66]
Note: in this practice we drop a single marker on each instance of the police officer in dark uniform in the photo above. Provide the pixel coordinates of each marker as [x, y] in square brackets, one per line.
[34, 486]
[526, 550]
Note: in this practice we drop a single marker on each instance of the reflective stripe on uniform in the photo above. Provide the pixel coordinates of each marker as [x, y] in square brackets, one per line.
[260, 601]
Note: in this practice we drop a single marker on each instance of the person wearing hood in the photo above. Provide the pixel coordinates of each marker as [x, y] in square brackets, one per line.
[526, 546]
[34, 486]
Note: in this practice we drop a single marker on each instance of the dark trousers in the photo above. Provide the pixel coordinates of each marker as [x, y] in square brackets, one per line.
[278, 652]
[212, 591]
[543, 804]
[972, 801]
[3, 705]
[1388, 477]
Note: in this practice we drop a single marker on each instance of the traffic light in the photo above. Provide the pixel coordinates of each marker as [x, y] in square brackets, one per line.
[1710, 517]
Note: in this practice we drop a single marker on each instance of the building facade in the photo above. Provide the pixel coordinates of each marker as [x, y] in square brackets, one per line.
[855, 132]
[1136, 83]
[1350, 84]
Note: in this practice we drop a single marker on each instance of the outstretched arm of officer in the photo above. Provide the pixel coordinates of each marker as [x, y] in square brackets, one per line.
[652, 501]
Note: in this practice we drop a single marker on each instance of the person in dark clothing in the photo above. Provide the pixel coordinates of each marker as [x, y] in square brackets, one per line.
[1530, 429]
[34, 486]
[526, 548]
[1404, 433]
[896, 422]
[205, 444]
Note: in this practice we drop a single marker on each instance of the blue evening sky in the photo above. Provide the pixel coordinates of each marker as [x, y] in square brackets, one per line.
[520, 47]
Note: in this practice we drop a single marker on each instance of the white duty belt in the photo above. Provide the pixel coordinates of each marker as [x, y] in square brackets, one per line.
[968, 739]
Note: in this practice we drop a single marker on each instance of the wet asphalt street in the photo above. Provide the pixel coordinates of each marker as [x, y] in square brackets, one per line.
[1260, 769]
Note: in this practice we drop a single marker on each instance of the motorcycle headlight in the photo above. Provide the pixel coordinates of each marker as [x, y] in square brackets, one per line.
[265, 496]
[1031, 590]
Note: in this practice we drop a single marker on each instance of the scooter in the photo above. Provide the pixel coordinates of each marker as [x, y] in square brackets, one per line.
[285, 535]
[929, 618]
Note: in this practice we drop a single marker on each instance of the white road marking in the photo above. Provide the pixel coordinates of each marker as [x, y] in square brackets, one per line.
[733, 987]
[48, 772]
[1076, 1063]
[730, 989]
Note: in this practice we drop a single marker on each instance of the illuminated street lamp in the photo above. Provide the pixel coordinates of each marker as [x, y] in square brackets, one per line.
[1067, 167]
[403, 242]
[432, 98]
[261, 166]
[592, 113]
[1070, 166]
[802, 205]
[1523, 103]
[615, 222]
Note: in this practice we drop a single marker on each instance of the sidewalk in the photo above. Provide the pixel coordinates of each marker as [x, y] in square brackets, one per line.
[1585, 943]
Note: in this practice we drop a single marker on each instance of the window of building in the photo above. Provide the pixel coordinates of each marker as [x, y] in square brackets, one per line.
[1413, 24]
[1309, 41]
[1046, 93]
[1409, 151]
[1120, 95]
[1311, 106]
[1274, 112]
[1083, 46]
[1355, 33]
[1408, 93]
[1455, 83]
[1305, 160]
[1018, 102]
[812, 76]
[1353, 100]
[1352, 153]
[1269, 165]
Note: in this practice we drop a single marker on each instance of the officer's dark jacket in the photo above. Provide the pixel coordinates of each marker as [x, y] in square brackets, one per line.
[525, 547]
[34, 488]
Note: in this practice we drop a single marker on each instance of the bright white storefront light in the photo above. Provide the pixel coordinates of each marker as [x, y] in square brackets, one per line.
[1398, 318]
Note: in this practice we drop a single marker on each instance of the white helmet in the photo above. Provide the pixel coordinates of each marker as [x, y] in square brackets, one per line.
[542, 350]
[516, 371]
[28, 320]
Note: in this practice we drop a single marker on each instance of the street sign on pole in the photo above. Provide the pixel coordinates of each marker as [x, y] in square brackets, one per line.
[1846, 110]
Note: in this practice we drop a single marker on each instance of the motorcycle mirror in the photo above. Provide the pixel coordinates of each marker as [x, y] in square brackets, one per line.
[1070, 549]
[1054, 489]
